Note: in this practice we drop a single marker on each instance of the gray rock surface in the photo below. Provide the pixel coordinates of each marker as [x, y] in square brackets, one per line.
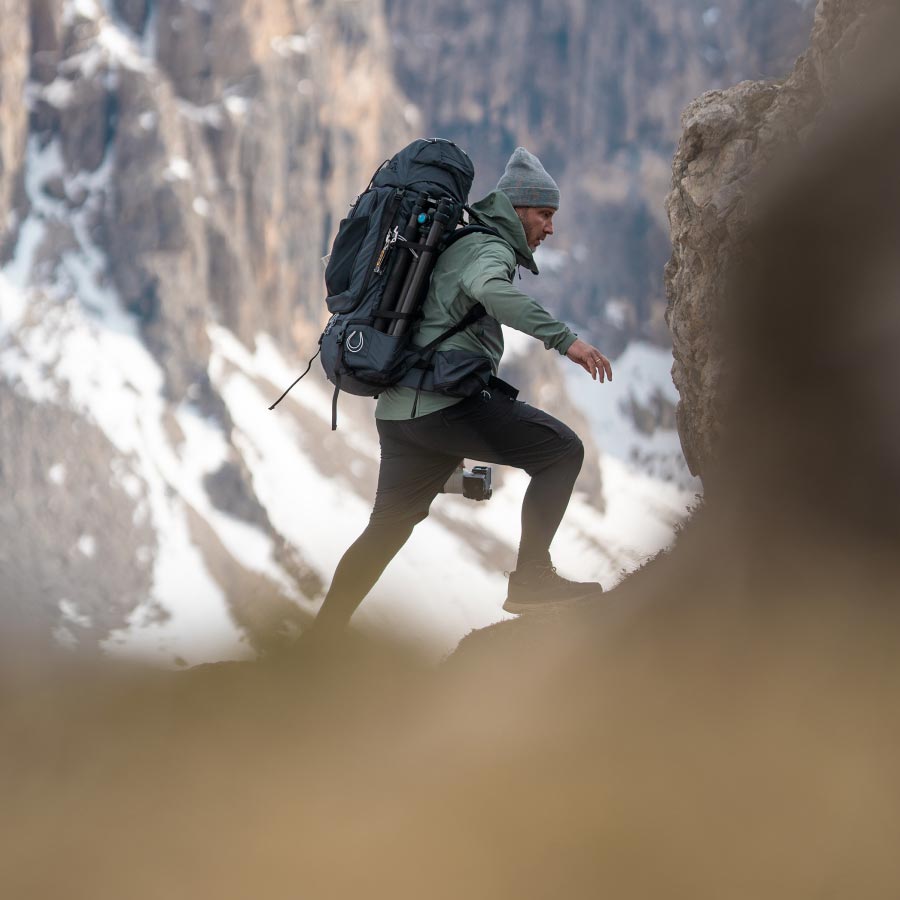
[76, 546]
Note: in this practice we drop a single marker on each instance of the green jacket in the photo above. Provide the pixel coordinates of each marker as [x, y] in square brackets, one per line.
[478, 269]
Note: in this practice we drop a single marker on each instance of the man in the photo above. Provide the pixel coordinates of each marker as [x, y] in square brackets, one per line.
[418, 454]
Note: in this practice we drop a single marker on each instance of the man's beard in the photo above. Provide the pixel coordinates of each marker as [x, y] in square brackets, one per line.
[531, 245]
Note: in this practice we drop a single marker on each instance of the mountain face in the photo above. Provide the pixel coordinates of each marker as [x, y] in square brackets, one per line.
[730, 141]
[595, 89]
[173, 165]
[235, 144]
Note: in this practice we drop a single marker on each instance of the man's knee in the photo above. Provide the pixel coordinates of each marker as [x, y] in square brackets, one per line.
[573, 452]
[396, 518]
[576, 449]
[570, 446]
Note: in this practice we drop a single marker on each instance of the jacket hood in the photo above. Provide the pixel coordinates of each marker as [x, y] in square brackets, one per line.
[497, 211]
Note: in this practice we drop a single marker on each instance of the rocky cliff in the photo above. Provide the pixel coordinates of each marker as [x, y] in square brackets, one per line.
[730, 140]
[231, 143]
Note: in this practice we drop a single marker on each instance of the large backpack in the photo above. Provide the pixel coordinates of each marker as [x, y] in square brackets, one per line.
[378, 274]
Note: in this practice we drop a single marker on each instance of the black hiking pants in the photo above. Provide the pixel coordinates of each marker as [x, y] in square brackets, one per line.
[417, 458]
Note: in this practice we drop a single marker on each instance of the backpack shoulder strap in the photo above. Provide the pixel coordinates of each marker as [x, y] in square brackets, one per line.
[470, 229]
[473, 315]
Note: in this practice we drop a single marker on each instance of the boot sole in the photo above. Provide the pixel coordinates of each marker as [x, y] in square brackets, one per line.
[522, 607]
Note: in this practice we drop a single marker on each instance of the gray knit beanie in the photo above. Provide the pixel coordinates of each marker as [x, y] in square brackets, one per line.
[527, 183]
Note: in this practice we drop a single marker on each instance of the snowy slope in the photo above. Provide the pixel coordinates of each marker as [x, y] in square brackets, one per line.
[435, 590]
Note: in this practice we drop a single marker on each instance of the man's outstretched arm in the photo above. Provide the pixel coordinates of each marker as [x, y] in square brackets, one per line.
[488, 283]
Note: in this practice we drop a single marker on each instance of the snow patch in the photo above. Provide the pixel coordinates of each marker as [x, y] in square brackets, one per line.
[411, 115]
[122, 48]
[205, 450]
[211, 114]
[85, 9]
[58, 93]
[87, 545]
[267, 363]
[290, 44]
[517, 344]
[178, 169]
[113, 47]
[712, 16]
[618, 312]
[237, 106]
[580, 252]
[57, 474]
[197, 627]
[71, 614]
[549, 260]
[16, 276]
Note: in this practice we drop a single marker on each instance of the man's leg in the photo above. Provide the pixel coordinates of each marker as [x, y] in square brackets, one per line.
[496, 429]
[545, 503]
[493, 428]
[418, 456]
[408, 480]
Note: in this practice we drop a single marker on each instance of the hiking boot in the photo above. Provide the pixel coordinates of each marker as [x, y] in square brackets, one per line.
[542, 587]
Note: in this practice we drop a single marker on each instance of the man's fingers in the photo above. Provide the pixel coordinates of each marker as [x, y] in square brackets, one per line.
[592, 361]
[599, 366]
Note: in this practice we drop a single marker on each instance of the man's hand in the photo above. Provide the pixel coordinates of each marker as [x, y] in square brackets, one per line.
[590, 359]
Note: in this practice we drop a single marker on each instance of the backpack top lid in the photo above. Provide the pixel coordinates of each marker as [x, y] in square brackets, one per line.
[435, 166]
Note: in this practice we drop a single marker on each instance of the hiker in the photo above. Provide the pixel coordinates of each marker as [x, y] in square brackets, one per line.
[424, 439]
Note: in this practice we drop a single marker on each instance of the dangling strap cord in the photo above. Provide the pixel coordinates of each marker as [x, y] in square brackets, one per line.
[334, 400]
[298, 379]
[425, 369]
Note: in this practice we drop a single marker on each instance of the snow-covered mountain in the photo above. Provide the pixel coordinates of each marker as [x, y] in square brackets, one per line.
[160, 282]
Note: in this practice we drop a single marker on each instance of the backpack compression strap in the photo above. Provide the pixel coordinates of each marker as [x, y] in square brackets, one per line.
[470, 318]
[425, 353]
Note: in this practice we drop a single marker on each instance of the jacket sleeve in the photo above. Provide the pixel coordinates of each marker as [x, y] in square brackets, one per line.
[486, 279]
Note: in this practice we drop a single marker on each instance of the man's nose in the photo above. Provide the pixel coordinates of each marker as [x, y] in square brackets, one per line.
[548, 228]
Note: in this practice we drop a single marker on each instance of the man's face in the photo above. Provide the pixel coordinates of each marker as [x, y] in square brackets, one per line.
[537, 222]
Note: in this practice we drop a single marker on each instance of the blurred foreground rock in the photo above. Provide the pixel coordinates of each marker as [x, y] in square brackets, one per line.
[723, 724]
